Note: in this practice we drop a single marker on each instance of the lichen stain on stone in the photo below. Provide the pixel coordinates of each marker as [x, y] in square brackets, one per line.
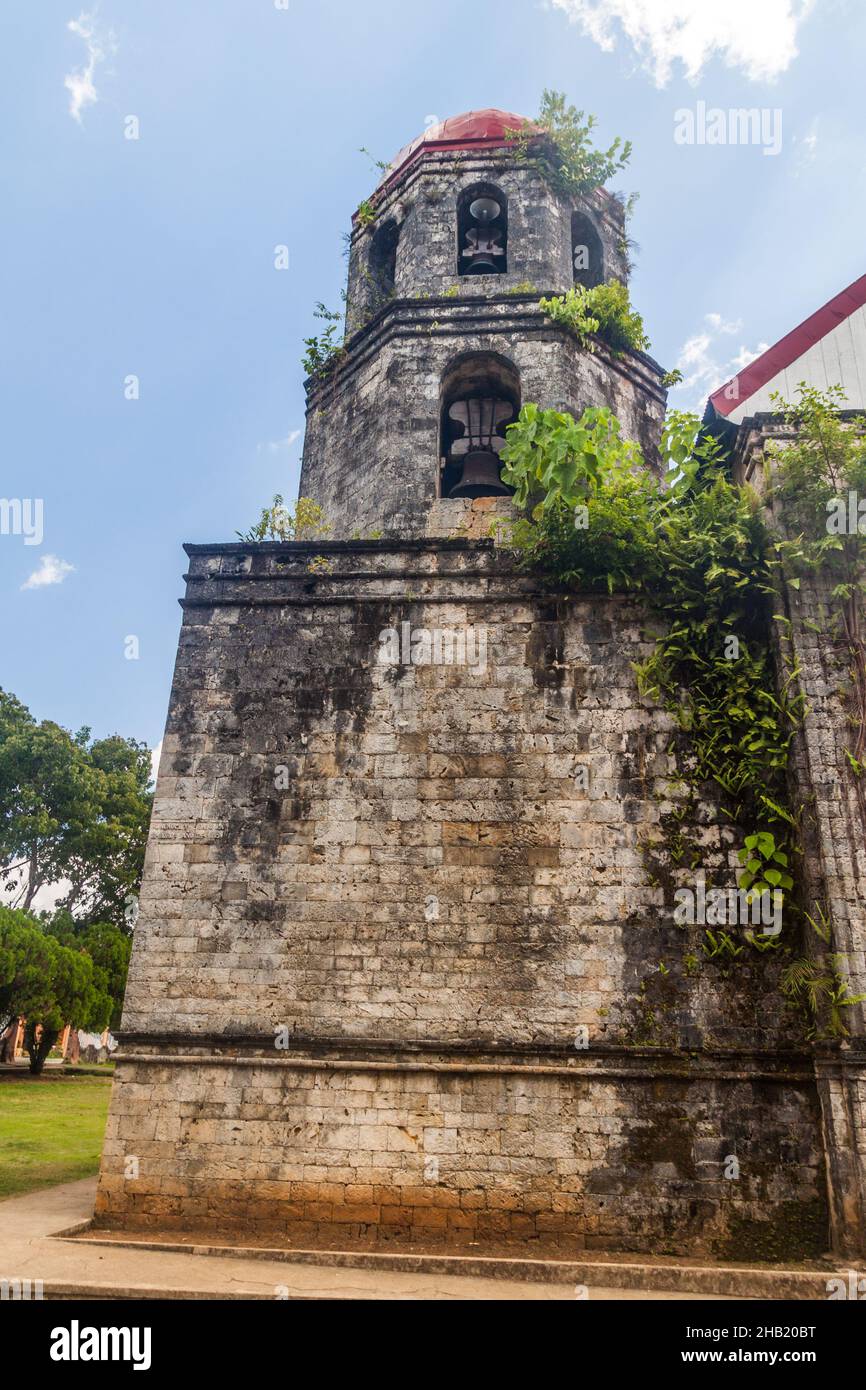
[545, 649]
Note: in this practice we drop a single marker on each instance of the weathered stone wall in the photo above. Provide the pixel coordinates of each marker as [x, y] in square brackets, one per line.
[371, 453]
[435, 878]
[372, 446]
[833, 835]
[630, 1156]
[423, 206]
[835, 799]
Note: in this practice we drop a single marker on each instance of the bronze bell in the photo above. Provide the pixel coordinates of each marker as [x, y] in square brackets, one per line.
[482, 248]
[480, 476]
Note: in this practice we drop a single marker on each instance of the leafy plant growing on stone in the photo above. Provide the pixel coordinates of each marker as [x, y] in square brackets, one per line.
[765, 866]
[566, 153]
[323, 350]
[698, 550]
[604, 310]
[276, 523]
[366, 213]
[381, 164]
[552, 459]
[720, 944]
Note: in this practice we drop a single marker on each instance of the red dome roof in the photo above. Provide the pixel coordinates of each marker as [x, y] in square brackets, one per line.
[472, 130]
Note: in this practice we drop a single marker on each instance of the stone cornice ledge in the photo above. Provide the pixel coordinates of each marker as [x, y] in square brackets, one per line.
[482, 1057]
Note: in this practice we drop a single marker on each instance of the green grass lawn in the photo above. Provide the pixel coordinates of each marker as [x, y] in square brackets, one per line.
[50, 1129]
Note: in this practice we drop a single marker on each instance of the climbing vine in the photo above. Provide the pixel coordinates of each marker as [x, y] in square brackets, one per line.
[699, 551]
[816, 986]
[817, 484]
[366, 214]
[323, 350]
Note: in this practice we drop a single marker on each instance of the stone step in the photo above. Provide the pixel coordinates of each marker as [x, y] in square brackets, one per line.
[661, 1277]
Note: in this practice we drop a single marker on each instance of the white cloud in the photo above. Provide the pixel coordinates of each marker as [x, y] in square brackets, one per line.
[806, 147]
[279, 446]
[707, 362]
[742, 359]
[79, 84]
[52, 570]
[720, 325]
[757, 36]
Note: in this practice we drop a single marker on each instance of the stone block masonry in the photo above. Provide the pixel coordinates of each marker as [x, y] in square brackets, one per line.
[622, 1154]
[388, 394]
[373, 439]
[833, 831]
[406, 968]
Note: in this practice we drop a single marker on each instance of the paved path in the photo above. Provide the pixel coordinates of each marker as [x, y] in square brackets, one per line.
[29, 1251]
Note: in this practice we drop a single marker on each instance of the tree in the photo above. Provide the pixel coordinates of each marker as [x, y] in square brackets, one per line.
[72, 809]
[48, 984]
[109, 949]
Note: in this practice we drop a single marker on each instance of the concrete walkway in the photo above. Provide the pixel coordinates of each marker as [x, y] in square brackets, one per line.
[72, 1268]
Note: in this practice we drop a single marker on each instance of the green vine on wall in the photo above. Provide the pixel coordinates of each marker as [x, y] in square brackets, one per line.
[699, 550]
[559, 144]
[817, 483]
[816, 986]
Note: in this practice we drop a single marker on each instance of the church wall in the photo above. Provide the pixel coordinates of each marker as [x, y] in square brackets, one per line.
[451, 886]
[529, 1157]
[371, 454]
[423, 205]
[833, 837]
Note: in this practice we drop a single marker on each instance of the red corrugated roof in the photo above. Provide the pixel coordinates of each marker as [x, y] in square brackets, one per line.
[790, 348]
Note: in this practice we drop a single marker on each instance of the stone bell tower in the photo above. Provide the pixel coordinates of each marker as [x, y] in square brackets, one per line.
[405, 968]
[445, 339]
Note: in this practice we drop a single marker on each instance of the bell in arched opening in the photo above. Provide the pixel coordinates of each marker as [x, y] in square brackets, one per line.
[479, 446]
[482, 231]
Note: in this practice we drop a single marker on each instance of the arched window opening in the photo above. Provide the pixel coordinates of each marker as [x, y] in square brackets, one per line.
[587, 252]
[382, 263]
[480, 397]
[482, 231]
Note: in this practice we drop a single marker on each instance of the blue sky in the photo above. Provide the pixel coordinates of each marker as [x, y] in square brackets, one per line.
[155, 257]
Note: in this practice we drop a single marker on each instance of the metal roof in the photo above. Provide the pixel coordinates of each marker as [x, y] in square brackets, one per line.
[789, 349]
